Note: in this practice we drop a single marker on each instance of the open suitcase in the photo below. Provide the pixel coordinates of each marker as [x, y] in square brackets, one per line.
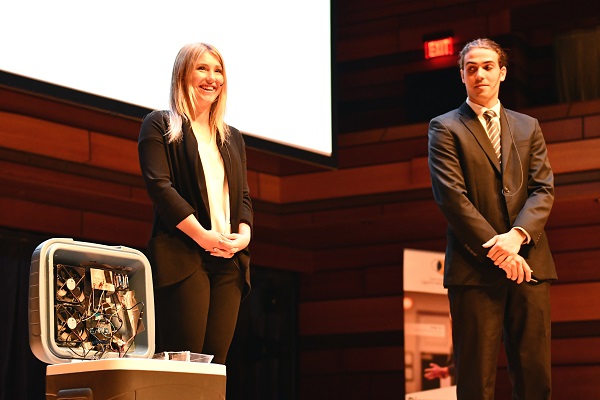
[91, 318]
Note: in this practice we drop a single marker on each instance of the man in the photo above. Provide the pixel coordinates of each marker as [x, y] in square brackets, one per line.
[496, 194]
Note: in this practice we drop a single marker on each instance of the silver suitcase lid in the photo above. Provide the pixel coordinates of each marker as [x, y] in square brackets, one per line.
[89, 301]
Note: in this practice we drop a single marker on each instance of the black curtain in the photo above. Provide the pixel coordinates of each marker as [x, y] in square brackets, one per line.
[578, 65]
[262, 360]
[431, 93]
[22, 375]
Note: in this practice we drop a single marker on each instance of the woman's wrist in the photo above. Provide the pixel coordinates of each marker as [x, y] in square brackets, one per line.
[245, 230]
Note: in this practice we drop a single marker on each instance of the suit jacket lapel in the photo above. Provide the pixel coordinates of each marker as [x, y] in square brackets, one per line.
[470, 120]
[506, 140]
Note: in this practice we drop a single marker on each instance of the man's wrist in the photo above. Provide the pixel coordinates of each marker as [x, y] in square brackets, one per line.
[523, 234]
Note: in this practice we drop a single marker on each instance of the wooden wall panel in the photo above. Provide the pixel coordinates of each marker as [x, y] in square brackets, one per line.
[349, 182]
[575, 381]
[584, 212]
[359, 257]
[384, 280]
[351, 316]
[121, 155]
[575, 302]
[568, 382]
[562, 129]
[37, 217]
[370, 154]
[114, 153]
[570, 302]
[352, 283]
[375, 359]
[566, 157]
[574, 156]
[65, 189]
[381, 386]
[326, 285]
[578, 265]
[140, 194]
[253, 183]
[268, 188]
[572, 351]
[591, 126]
[574, 238]
[108, 229]
[71, 114]
[583, 108]
[276, 256]
[549, 113]
[68, 182]
[45, 138]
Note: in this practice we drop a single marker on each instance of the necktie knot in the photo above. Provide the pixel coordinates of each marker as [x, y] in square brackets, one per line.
[489, 114]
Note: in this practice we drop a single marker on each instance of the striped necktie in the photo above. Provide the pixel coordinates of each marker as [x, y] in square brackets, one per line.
[493, 130]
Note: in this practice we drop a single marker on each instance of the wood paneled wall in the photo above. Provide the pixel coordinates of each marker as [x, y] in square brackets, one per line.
[70, 171]
[350, 226]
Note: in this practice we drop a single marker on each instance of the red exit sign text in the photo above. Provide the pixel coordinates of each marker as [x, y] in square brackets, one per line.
[438, 48]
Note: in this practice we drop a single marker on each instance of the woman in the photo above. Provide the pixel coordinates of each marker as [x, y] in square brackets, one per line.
[194, 167]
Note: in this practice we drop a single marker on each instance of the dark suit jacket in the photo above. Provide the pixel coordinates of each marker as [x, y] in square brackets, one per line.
[481, 197]
[174, 178]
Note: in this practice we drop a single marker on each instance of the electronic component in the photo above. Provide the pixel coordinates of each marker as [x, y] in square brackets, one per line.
[70, 326]
[70, 284]
[96, 311]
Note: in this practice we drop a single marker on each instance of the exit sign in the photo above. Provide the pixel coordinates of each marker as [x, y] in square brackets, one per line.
[439, 47]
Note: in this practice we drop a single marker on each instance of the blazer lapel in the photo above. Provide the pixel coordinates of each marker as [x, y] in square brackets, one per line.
[470, 120]
[226, 157]
[506, 139]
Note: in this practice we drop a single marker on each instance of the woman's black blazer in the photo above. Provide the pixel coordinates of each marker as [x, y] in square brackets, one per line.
[174, 178]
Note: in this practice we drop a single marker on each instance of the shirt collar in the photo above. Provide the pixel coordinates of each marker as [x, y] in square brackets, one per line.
[479, 109]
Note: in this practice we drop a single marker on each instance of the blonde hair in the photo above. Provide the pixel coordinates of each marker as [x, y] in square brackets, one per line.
[182, 96]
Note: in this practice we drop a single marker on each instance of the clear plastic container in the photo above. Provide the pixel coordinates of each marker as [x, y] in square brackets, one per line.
[184, 356]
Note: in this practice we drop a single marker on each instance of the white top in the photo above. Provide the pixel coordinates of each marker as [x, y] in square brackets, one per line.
[216, 185]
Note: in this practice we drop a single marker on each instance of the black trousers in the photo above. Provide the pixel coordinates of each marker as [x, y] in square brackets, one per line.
[199, 314]
[483, 317]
